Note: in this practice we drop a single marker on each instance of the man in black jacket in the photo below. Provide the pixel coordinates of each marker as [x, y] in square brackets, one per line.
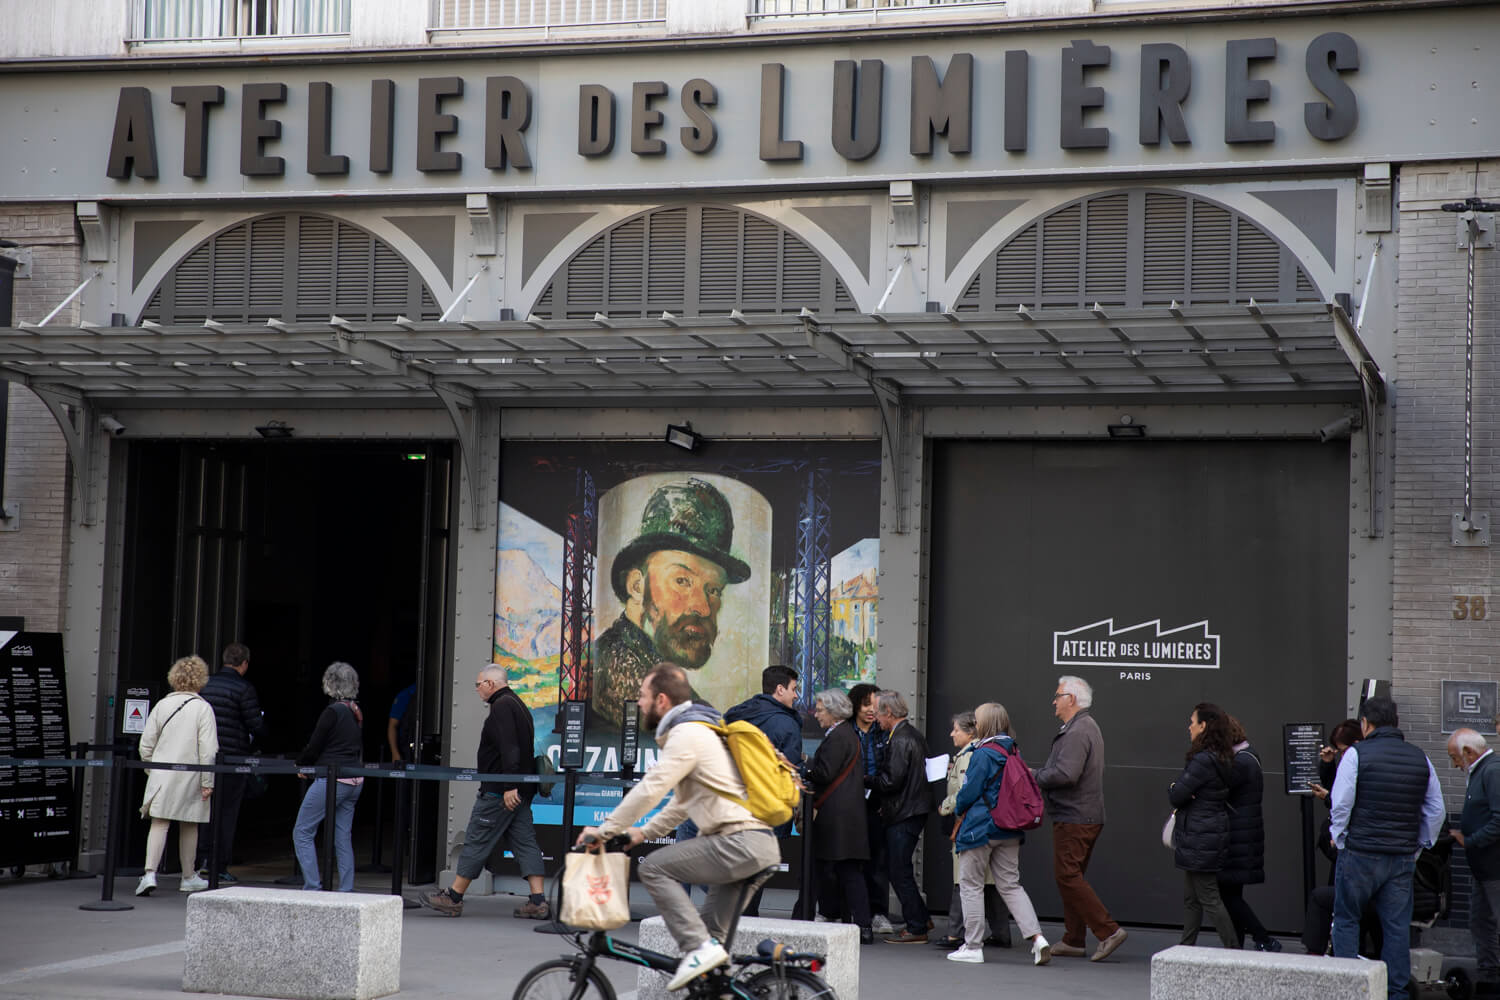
[773, 712]
[1479, 835]
[905, 802]
[237, 715]
[502, 810]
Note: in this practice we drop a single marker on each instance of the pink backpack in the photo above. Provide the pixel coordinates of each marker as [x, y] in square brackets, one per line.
[1019, 804]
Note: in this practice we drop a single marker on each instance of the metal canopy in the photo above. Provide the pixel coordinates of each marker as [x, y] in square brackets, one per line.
[1028, 356]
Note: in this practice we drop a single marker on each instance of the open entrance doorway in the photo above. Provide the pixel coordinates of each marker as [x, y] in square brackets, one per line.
[307, 552]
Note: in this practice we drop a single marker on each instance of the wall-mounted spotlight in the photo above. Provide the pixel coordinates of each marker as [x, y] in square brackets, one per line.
[1337, 430]
[111, 426]
[1127, 428]
[274, 430]
[684, 437]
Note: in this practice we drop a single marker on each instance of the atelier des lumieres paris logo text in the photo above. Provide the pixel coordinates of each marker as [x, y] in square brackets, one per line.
[1137, 649]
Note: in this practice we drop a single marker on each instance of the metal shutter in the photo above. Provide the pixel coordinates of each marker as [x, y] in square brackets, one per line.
[693, 260]
[296, 268]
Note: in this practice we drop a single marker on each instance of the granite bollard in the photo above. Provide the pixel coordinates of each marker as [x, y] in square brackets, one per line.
[292, 944]
[839, 942]
[1186, 973]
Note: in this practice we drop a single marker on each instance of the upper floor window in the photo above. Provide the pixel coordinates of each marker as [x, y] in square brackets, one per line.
[456, 15]
[181, 20]
[868, 8]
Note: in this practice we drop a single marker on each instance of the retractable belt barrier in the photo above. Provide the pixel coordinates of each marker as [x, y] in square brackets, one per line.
[234, 764]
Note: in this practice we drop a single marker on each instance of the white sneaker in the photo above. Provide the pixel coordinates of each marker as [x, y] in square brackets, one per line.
[974, 956]
[146, 884]
[192, 883]
[707, 956]
[882, 925]
[1041, 951]
[820, 919]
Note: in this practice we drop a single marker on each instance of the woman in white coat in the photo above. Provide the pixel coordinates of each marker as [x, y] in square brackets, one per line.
[180, 730]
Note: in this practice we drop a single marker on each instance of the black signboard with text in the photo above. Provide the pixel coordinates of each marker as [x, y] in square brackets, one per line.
[572, 733]
[1300, 744]
[36, 804]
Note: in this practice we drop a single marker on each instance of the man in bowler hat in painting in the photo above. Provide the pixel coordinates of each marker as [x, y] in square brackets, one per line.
[671, 581]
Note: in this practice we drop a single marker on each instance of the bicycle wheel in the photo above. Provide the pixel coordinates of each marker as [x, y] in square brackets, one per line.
[791, 984]
[558, 980]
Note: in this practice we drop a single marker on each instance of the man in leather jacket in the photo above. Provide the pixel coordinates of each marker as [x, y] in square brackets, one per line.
[905, 801]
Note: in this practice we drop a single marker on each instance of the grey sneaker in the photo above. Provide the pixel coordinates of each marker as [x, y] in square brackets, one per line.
[533, 911]
[439, 900]
[882, 925]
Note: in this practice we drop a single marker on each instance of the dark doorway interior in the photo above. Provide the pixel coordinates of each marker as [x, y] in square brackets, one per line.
[322, 563]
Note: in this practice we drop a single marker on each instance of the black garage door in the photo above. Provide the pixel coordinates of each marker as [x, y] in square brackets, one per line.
[1165, 573]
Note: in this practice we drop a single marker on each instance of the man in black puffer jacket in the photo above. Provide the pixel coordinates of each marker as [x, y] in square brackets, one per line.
[237, 714]
[1387, 806]
[905, 801]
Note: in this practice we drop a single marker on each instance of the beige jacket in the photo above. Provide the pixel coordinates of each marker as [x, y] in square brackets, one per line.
[188, 736]
[694, 761]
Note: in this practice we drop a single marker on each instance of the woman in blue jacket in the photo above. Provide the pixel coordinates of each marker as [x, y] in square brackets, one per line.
[983, 847]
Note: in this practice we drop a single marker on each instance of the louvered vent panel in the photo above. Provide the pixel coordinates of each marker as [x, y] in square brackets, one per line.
[194, 284]
[760, 289]
[392, 284]
[153, 308]
[1106, 250]
[666, 265]
[1164, 263]
[718, 281]
[586, 281]
[1305, 290]
[267, 267]
[625, 288]
[430, 308]
[1060, 253]
[1015, 270]
[1210, 253]
[801, 276]
[969, 300]
[315, 267]
[231, 260]
[842, 300]
[1257, 269]
[354, 272]
[543, 306]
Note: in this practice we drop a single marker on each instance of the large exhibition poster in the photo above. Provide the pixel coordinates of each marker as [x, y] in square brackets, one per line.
[615, 556]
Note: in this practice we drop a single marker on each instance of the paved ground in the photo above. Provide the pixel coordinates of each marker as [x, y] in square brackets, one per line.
[51, 949]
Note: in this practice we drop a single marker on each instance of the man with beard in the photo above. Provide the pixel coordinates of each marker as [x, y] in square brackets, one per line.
[731, 846]
[671, 581]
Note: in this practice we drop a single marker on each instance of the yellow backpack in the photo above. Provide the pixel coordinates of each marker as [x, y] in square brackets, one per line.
[771, 792]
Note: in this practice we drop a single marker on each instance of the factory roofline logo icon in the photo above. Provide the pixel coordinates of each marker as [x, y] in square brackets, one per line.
[1147, 645]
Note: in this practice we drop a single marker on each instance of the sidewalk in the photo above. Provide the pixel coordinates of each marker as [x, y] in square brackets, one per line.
[51, 949]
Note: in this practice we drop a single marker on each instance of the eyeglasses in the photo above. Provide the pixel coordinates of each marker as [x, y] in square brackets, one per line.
[1064, 694]
[479, 684]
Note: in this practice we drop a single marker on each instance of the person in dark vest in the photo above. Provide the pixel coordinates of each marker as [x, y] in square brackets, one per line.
[1479, 835]
[1246, 863]
[238, 718]
[1387, 806]
[1200, 840]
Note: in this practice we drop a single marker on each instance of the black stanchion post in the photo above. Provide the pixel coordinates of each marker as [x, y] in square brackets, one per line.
[215, 817]
[809, 896]
[112, 825]
[570, 789]
[330, 805]
[405, 788]
[1309, 862]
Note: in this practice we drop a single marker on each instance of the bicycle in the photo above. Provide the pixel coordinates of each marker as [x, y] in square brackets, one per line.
[774, 972]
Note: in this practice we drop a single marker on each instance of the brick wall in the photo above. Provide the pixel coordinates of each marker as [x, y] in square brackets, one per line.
[1428, 644]
[36, 457]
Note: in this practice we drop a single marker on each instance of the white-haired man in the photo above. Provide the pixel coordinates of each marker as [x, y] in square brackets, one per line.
[1073, 782]
[1479, 833]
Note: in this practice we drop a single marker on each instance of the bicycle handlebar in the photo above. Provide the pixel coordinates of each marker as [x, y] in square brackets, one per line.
[618, 842]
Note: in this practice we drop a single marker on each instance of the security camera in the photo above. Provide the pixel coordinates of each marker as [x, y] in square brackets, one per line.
[111, 425]
[1338, 430]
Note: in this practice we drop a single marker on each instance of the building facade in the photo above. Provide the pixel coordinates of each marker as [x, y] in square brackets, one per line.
[1124, 340]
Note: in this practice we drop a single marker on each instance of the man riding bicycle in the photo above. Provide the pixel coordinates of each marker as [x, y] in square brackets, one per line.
[731, 846]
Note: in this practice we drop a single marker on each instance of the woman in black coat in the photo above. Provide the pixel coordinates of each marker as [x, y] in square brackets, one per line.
[1246, 864]
[840, 842]
[1201, 838]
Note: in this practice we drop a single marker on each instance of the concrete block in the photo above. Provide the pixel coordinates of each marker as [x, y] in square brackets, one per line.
[1184, 973]
[291, 944]
[839, 942]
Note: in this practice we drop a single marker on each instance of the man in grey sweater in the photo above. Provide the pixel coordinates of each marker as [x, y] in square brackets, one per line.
[1073, 782]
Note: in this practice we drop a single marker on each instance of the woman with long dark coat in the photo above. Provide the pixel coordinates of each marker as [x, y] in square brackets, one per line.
[1201, 836]
[1246, 863]
[840, 842]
